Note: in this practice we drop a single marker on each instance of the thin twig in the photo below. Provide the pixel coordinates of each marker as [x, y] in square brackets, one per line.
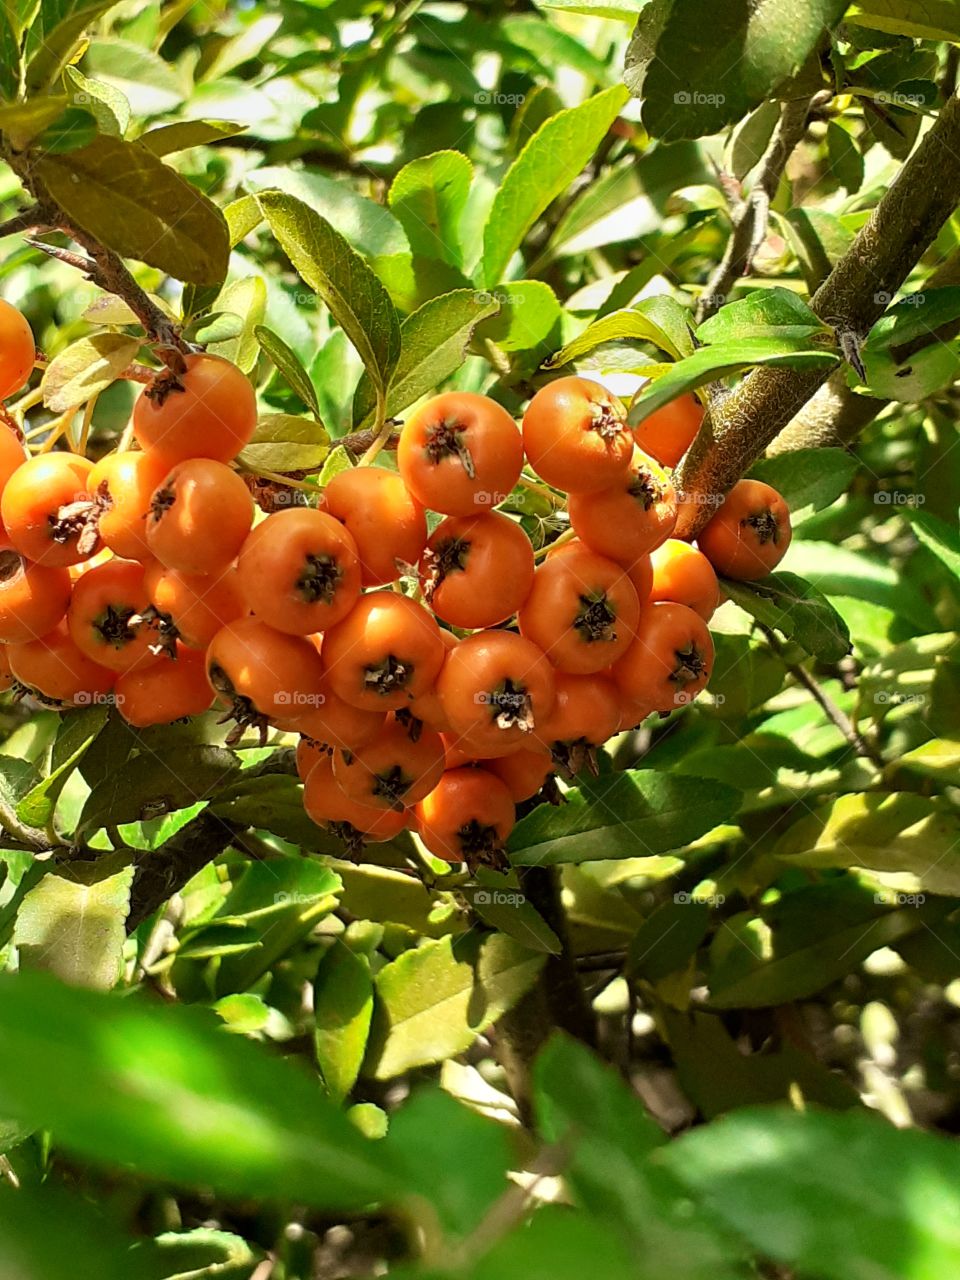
[751, 217]
[834, 714]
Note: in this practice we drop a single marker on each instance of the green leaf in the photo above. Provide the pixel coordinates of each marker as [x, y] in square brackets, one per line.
[926, 372]
[86, 368]
[428, 196]
[751, 138]
[283, 900]
[817, 935]
[160, 1090]
[919, 19]
[619, 10]
[75, 930]
[284, 443]
[204, 1253]
[388, 896]
[289, 366]
[939, 758]
[699, 67]
[356, 298]
[154, 783]
[431, 1132]
[940, 537]
[76, 734]
[660, 320]
[342, 1011]
[433, 1001]
[434, 345]
[169, 138]
[500, 903]
[668, 938]
[582, 1102]
[48, 1234]
[915, 316]
[900, 833]
[791, 1183]
[136, 205]
[808, 477]
[369, 227]
[22, 121]
[246, 298]
[547, 165]
[106, 104]
[529, 313]
[560, 1244]
[622, 815]
[775, 312]
[845, 158]
[724, 358]
[250, 42]
[797, 609]
[57, 35]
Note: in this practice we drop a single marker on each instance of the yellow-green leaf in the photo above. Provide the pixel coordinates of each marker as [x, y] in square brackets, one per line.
[86, 368]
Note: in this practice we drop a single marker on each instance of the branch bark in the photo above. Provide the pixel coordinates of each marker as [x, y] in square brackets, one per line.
[852, 298]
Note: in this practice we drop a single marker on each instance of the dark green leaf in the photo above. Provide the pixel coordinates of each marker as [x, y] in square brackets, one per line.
[155, 783]
[135, 204]
[621, 815]
[340, 277]
[47, 1234]
[56, 35]
[808, 477]
[434, 345]
[775, 312]
[699, 67]
[919, 19]
[660, 320]
[289, 366]
[797, 609]
[342, 1011]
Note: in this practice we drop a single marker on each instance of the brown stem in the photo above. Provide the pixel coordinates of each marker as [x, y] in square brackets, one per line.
[837, 717]
[751, 217]
[162, 872]
[852, 298]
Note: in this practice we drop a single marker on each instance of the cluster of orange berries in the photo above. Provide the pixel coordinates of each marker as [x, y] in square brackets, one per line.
[145, 579]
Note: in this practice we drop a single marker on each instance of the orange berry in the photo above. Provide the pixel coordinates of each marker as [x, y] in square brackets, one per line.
[210, 411]
[200, 514]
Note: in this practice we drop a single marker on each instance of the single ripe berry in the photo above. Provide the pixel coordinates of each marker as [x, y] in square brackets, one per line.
[750, 534]
[460, 453]
[669, 432]
[33, 597]
[122, 486]
[670, 660]
[386, 652]
[392, 771]
[477, 570]
[582, 611]
[299, 571]
[105, 617]
[258, 673]
[167, 689]
[683, 574]
[496, 688]
[55, 671]
[209, 411]
[192, 607]
[17, 350]
[575, 435]
[385, 521]
[467, 818]
[631, 517]
[47, 511]
[199, 516]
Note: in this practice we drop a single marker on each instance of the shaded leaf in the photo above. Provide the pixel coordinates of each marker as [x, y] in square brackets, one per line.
[139, 207]
[797, 609]
[75, 931]
[428, 196]
[289, 366]
[86, 368]
[342, 1011]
